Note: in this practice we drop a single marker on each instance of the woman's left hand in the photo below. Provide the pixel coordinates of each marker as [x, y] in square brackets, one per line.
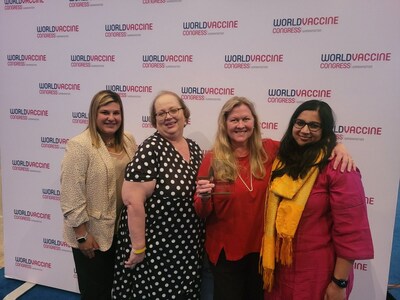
[89, 246]
[333, 292]
[341, 155]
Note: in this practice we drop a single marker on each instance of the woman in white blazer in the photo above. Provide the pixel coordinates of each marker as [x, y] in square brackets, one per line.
[91, 180]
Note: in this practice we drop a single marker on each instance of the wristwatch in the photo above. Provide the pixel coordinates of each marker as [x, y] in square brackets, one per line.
[82, 239]
[340, 282]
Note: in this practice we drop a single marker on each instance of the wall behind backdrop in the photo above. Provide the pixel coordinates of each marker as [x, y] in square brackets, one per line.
[55, 55]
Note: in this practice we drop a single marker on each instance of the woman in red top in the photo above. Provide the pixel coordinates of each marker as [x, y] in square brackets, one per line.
[232, 200]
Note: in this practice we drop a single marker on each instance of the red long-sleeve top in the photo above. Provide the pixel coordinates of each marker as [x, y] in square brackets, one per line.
[235, 222]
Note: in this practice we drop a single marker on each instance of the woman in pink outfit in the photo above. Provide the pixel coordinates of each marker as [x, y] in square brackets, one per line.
[316, 222]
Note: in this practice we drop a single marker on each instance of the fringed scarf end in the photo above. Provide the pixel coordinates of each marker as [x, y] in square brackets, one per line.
[284, 250]
[268, 279]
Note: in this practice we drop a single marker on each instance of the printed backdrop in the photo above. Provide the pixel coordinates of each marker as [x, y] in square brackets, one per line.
[55, 55]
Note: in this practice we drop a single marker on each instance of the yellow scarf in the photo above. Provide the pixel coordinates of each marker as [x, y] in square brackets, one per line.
[285, 204]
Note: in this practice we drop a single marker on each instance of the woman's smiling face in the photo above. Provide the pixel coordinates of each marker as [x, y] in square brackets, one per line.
[304, 136]
[240, 125]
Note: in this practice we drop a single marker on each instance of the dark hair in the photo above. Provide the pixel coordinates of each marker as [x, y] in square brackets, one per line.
[297, 160]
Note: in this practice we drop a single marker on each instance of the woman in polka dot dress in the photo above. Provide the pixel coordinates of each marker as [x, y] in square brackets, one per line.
[160, 238]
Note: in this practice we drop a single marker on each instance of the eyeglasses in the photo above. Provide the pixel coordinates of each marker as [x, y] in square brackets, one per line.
[172, 112]
[312, 126]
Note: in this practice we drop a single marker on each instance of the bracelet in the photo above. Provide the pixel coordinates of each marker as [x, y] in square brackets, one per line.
[139, 251]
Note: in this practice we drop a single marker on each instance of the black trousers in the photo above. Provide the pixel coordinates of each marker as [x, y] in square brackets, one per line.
[95, 275]
[237, 280]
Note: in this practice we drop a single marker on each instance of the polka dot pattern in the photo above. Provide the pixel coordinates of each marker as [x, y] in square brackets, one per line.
[174, 234]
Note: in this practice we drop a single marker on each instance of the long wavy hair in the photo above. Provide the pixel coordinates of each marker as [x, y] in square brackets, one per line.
[297, 160]
[224, 161]
[103, 98]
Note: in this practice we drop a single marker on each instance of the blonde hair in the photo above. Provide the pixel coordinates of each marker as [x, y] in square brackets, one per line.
[186, 111]
[224, 161]
[103, 98]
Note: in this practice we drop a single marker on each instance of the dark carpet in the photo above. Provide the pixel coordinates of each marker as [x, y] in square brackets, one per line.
[38, 292]
[394, 273]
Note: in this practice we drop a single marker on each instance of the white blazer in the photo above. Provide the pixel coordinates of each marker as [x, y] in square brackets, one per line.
[88, 188]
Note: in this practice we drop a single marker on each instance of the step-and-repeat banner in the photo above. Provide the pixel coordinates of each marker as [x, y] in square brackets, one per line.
[55, 55]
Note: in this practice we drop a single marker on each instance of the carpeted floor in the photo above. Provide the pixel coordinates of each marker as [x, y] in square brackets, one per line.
[394, 274]
[38, 292]
[7, 285]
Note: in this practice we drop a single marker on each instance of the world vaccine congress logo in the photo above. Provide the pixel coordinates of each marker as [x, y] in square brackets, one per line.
[25, 60]
[51, 194]
[29, 165]
[201, 28]
[55, 244]
[247, 61]
[83, 3]
[31, 263]
[52, 142]
[157, 1]
[161, 61]
[126, 30]
[21, 4]
[94, 60]
[28, 114]
[58, 88]
[268, 125]
[356, 132]
[31, 216]
[131, 91]
[80, 118]
[198, 93]
[55, 31]
[290, 96]
[301, 25]
[146, 122]
[353, 60]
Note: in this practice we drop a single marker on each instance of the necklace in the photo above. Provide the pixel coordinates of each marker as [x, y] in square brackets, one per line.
[109, 144]
[251, 182]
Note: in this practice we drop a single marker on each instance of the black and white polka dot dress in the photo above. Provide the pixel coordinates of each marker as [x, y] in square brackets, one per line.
[172, 265]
